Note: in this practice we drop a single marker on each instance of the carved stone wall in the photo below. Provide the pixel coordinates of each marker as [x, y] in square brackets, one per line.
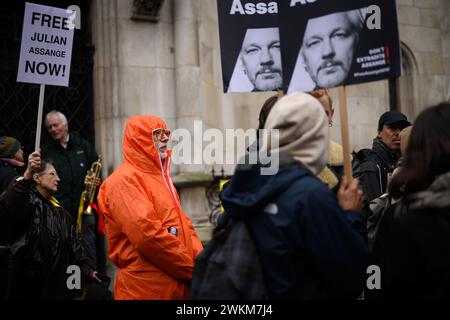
[147, 10]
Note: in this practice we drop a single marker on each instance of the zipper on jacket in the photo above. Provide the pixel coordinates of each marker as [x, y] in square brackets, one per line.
[165, 180]
[381, 181]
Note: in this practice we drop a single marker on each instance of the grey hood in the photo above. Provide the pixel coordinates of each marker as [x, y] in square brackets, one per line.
[436, 196]
[302, 126]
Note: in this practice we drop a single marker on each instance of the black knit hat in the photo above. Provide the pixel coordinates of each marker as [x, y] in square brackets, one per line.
[8, 147]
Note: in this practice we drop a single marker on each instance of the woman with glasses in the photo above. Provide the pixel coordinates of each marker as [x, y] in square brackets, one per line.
[43, 237]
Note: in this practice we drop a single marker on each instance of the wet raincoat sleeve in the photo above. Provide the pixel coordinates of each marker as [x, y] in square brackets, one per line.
[338, 245]
[196, 243]
[132, 209]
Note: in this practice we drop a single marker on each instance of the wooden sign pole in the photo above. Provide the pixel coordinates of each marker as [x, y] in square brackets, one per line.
[39, 118]
[280, 94]
[344, 133]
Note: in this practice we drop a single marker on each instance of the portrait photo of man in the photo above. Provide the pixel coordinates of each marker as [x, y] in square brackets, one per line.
[327, 50]
[258, 66]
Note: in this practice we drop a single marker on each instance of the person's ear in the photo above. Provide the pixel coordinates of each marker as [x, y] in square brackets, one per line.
[379, 134]
[37, 178]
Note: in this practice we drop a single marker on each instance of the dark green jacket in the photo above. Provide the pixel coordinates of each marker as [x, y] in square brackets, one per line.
[72, 164]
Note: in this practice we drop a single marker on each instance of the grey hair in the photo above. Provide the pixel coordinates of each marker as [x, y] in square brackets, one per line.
[44, 165]
[60, 115]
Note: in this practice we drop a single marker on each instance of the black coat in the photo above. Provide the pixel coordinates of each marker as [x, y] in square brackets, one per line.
[7, 173]
[412, 247]
[372, 167]
[71, 164]
[45, 242]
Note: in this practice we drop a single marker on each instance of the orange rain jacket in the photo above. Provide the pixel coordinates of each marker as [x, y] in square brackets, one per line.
[150, 238]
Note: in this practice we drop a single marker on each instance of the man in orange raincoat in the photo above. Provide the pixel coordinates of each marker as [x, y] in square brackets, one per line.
[150, 238]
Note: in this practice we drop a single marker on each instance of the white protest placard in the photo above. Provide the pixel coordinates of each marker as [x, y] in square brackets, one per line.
[46, 48]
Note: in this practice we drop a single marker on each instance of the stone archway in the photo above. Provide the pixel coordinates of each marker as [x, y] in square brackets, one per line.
[406, 85]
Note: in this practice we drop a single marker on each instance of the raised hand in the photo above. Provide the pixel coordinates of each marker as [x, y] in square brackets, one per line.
[34, 163]
[349, 195]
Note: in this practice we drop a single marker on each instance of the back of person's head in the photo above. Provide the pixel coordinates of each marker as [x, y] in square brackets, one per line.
[265, 110]
[427, 153]
[9, 147]
[303, 130]
[404, 139]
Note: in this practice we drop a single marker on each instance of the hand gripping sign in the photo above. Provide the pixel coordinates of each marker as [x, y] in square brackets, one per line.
[46, 50]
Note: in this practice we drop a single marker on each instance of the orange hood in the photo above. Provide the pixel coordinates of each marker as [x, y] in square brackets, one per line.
[138, 146]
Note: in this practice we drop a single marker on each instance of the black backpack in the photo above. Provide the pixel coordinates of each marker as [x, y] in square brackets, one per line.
[229, 267]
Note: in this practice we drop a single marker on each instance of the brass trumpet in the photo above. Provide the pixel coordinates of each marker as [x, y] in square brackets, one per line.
[92, 181]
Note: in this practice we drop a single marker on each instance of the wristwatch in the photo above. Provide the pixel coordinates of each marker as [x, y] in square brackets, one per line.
[20, 178]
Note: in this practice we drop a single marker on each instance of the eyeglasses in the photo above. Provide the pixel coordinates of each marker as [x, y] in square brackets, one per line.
[158, 134]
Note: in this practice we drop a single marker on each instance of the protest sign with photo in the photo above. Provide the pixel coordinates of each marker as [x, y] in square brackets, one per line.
[338, 43]
[250, 45]
[46, 47]
[307, 44]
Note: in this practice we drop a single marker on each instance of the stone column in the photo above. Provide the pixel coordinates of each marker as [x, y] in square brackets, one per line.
[191, 178]
[106, 84]
[187, 76]
[106, 110]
